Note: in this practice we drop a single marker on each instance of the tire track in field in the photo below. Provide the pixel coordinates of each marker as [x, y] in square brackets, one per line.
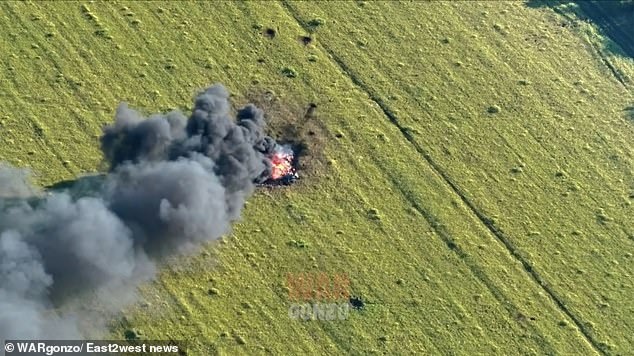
[484, 220]
[55, 62]
[445, 236]
[25, 101]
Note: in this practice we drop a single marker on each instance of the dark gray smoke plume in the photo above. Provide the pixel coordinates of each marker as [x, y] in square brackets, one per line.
[174, 182]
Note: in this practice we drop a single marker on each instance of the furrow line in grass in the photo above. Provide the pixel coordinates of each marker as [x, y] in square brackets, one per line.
[615, 72]
[612, 30]
[47, 48]
[445, 236]
[486, 221]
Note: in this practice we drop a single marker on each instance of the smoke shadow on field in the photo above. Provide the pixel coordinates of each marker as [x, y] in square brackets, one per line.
[614, 18]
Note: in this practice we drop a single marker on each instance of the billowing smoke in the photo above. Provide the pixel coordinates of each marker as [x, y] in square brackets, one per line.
[174, 182]
[15, 182]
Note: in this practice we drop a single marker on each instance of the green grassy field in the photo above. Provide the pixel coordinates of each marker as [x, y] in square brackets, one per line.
[469, 166]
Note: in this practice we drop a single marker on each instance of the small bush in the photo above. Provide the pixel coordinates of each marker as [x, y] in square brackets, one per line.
[298, 243]
[314, 23]
[240, 340]
[357, 302]
[289, 72]
[270, 33]
[102, 32]
[132, 334]
[306, 40]
[494, 109]
[602, 218]
[373, 214]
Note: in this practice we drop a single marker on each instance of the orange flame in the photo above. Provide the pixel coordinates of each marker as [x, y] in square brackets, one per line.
[282, 163]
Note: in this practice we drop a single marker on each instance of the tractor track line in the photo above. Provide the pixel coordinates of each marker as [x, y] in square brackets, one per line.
[486, 221]
[445, 237]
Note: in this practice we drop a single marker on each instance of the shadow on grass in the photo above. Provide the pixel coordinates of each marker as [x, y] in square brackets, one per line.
[615, 18]
[629, 113]
[84, 186]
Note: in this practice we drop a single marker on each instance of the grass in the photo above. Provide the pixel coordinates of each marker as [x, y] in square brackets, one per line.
[452, 221]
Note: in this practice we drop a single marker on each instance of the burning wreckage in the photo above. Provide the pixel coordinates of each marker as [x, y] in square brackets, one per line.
[283, 166]
[174, 182]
